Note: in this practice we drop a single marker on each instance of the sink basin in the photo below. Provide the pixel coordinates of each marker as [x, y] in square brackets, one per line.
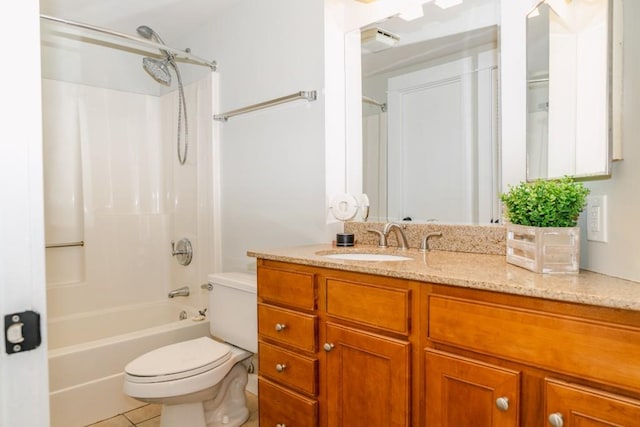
[354, 256]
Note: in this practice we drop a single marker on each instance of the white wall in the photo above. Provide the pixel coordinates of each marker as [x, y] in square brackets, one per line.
[618, 257]
[272, 161]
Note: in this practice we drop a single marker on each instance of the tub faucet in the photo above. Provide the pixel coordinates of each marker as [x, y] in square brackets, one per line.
[180, 292]
[400, 236]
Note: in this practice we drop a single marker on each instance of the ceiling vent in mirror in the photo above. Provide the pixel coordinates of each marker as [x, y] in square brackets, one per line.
[377, 39]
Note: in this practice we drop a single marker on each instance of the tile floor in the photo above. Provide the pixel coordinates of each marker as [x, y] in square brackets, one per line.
[149, 416]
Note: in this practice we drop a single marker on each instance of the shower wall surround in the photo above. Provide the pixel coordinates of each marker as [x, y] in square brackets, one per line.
[112, 179]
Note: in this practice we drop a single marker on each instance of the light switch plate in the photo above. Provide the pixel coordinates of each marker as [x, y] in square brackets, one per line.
[597, 218]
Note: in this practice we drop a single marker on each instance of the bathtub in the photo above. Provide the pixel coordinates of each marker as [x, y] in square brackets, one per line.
[88, 352]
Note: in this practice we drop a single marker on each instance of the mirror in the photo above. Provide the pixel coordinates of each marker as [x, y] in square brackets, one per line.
[569, 89]
[430, 114]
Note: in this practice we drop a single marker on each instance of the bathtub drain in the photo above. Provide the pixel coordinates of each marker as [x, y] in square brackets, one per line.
[183, 315]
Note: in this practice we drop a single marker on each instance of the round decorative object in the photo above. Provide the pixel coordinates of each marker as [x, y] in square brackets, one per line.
[344, 207]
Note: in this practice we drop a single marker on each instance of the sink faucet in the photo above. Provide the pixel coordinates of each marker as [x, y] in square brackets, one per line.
[424, 245]
[400, 236]
[180, 292]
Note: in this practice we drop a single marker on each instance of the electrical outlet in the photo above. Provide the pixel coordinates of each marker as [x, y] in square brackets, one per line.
[597, 218]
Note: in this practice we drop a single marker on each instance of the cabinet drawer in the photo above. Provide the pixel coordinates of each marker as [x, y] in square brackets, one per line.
[279, 406]
[288, 288]
[283, 366]
[288, 327]
[600, 351]
[383, 308]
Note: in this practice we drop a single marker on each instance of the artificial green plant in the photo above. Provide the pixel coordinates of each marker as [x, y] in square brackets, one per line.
[550, 203]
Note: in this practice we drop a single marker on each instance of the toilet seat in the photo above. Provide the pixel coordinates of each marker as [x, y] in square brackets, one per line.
[177, 361]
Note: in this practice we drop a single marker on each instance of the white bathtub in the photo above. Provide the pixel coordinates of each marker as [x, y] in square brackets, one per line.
[88, 352]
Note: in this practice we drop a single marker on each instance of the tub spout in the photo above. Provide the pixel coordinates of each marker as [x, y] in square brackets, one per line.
[180, 292]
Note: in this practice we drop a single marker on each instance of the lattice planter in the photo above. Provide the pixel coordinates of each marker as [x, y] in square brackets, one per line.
[544, 249]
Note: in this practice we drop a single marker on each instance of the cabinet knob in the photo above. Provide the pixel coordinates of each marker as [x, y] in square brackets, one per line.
[281, 425]
[280, 327]
[280, 367]
[328, 346]
[556, 420]
[502, 403]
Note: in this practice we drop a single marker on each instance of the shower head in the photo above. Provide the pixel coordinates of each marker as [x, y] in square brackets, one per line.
[148, 33]
[157, 69]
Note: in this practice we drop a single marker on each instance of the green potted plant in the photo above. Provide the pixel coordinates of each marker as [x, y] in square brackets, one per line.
[542, 217]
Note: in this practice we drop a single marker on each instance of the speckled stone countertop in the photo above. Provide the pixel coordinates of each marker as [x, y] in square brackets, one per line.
[471, 270]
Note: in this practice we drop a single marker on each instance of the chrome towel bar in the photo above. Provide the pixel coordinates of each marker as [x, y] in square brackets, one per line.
[308, 95]
[64, 245]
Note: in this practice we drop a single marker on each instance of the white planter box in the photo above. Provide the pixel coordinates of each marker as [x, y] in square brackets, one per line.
[544, 249]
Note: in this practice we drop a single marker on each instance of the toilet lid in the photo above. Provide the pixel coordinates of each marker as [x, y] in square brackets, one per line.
[178, 360]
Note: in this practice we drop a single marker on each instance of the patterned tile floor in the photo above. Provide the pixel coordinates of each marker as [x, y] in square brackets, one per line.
[149, 416]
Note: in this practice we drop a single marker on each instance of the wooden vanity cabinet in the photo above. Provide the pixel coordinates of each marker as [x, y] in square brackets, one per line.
[345, 360]
[558, 364]
[367, 331]
[340, 349]
[287, 347]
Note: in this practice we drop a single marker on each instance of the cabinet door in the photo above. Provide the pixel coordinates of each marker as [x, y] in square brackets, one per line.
[368, 379]
[465, 392]
[570, 405]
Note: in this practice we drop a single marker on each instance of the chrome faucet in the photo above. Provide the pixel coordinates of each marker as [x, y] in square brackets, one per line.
[424, 244]
[400, 236]
[382, 238]
[180, 292]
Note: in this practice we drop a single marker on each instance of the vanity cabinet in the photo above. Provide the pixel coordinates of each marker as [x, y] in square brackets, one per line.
[339, 348]
[347, 358]
[368, 352]
[574, 365]
[287, 348]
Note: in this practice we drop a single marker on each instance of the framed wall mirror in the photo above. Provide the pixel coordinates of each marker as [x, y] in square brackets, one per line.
[430, 115]
[569, 89]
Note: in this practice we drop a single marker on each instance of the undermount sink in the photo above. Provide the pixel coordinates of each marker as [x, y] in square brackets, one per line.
[358, 256]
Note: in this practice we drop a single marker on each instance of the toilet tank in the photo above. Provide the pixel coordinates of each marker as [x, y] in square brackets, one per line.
[233, 309]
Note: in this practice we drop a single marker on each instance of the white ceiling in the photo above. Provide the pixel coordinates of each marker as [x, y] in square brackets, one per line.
[171, 19]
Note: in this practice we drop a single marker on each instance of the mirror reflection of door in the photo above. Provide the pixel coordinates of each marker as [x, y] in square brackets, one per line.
[441, 142]
[447, 170]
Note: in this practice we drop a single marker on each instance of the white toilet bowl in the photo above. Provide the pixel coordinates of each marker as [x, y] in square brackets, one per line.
[201, 382]
[183, 377]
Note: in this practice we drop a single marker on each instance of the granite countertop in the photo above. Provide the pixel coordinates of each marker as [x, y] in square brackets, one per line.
[471, 270]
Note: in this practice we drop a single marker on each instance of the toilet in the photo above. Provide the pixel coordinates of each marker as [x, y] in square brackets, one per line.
[201, 382]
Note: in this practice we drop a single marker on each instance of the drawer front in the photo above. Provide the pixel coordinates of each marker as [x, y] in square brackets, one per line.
[384, 308]
[290, 369]
[288, 327]
[593, 350]
[288, 288]
[279, 406]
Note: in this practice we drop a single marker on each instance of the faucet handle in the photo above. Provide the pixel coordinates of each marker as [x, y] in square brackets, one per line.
[382, 237]
[424, 244]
